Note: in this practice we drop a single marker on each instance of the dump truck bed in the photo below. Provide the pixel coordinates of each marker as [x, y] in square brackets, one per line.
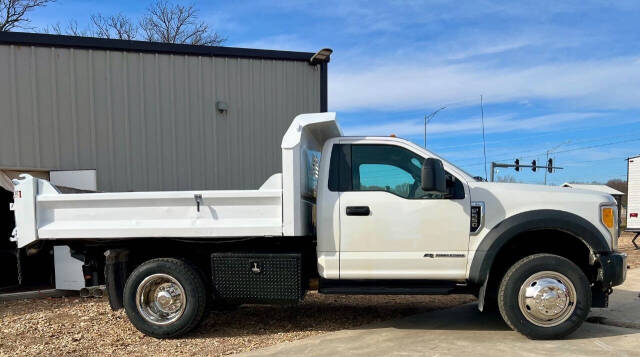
[152, 214]
[283, 205]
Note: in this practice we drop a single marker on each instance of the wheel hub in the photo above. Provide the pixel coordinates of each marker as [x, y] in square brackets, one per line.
[547, 298]
[168, 297]
[160, 299]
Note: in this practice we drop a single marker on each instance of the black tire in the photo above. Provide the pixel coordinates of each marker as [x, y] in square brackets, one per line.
[195, 292]
[518, 274]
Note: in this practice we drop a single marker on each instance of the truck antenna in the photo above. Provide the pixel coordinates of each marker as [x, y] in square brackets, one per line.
[484, 144]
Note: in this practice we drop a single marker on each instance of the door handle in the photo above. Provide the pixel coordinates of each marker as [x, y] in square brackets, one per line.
[358, 211]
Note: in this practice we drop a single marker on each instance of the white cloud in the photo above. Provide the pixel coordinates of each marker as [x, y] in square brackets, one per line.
[493, 124]
[570, 153]
[611, 83]
[489, 49]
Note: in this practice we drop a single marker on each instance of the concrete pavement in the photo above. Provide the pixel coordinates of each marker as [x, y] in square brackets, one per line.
[624, 304]
[464, 330]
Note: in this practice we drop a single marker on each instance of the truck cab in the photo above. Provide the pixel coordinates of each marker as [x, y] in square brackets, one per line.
[375, 221]
[393, 217]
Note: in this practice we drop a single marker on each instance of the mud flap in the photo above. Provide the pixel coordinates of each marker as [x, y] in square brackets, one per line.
[482, 293]
[116, 272]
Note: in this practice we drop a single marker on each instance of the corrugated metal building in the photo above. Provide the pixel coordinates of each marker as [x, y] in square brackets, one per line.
[144, 115]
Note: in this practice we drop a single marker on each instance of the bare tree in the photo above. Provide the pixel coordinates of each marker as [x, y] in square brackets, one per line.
[13, 13]
[620, 185]
[163, 22]
[176, 23]
[114, 26]
[72, 29]
[506, 178]
[53, 29]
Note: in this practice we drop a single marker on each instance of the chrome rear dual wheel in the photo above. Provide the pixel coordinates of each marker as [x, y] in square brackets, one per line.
[165, 297]
[161, 299]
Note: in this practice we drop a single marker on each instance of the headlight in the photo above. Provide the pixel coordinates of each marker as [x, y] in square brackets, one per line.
[609, 218]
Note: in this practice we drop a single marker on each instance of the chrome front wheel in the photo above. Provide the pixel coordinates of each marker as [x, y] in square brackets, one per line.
[541, 303]
[547, 298]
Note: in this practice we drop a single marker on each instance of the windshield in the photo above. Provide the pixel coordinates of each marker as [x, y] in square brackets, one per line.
[469, 176]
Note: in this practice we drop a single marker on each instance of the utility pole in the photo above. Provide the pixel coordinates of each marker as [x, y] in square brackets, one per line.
[427, 119]
[545, 173]
[551, 151]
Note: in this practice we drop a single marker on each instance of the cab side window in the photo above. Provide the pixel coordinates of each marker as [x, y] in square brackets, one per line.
[383, 177]
[388, 168]
[385, 168]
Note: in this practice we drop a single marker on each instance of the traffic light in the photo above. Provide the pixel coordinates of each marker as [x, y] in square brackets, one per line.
[550, 166]
[517, 165]
[533, 165]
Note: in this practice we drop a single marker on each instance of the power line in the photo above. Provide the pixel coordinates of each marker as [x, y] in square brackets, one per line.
[465, 100]
[573, 163]
[573, 143]
[520, 152]
[478, 143]
[596, 146]
[575, 149]
[568, 150]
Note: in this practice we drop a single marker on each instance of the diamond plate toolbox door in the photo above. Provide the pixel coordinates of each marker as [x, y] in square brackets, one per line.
[257, 278]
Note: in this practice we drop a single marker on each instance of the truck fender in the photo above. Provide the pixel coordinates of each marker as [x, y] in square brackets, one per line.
[528, 221]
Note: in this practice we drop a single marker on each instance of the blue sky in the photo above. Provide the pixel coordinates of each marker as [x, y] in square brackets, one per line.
[553, 74]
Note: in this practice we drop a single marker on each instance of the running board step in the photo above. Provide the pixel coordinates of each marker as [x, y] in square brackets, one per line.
[387, 287]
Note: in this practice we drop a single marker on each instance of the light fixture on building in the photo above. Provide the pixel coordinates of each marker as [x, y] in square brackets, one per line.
[222, 106]
[321, 56]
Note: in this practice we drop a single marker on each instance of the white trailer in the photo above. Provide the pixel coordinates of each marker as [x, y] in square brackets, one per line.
[633, 196]
[363, 215]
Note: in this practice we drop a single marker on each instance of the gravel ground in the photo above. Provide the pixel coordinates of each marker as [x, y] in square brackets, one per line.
[75, 326]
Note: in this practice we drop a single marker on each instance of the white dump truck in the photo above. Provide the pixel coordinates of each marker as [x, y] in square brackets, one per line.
[363, 215]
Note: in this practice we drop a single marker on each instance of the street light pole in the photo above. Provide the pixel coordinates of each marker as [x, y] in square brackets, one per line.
[425, 131]
[427, 119]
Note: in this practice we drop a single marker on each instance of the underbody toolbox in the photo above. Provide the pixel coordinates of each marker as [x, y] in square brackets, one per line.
[257, 278]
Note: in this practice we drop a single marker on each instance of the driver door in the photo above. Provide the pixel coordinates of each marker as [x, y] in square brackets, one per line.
[390, 228]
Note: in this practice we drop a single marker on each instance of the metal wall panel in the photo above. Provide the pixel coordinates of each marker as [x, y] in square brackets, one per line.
[148, 121]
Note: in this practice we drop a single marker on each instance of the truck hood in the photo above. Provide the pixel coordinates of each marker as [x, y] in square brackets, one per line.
[555, 192]
[503, 200]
